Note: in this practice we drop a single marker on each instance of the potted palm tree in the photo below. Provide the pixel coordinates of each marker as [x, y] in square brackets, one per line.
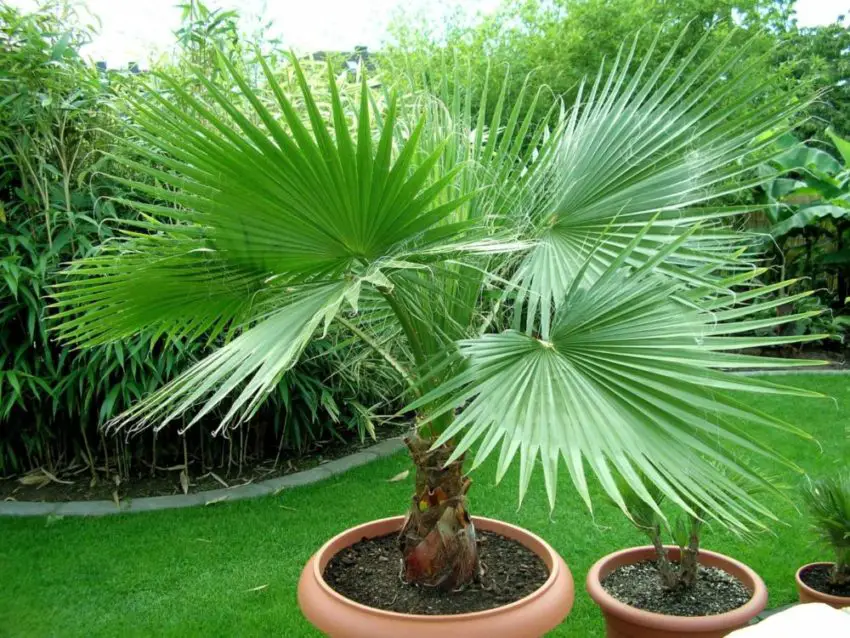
[828, 500]
[557, 290]
[673, 590]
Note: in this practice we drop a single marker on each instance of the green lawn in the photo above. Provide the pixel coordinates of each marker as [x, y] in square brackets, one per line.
[190, 572]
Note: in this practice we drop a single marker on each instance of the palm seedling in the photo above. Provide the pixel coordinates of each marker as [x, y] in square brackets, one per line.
[685, 529]
[563, 289]
[828, 500]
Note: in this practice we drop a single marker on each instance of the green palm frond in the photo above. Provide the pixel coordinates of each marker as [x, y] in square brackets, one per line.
[252, 364]
[262, 223]
[630, 382]
[167, 282]
[263, 198]
[498, 151]
[279, 196]
[645, 144]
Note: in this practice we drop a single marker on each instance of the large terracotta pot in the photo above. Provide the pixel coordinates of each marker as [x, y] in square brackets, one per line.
[809, 595]
[624, 621]
[528, 617]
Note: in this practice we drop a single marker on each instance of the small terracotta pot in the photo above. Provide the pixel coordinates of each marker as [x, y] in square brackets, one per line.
[340, 617]
[625, 621]
[809, 595]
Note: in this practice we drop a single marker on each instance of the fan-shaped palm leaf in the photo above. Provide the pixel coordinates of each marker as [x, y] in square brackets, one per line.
[637, 147]
[630, 383]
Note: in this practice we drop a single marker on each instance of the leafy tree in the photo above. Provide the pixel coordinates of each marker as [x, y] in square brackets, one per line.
[564, 41]
[820, 57]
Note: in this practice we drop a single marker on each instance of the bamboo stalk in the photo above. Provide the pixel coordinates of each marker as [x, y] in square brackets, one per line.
[89, 459]
[153, 454]
[185, 457]
[105, 455]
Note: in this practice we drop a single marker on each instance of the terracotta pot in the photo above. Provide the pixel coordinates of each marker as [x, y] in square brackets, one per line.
[809, 595]
[340, 617]
[624, 621]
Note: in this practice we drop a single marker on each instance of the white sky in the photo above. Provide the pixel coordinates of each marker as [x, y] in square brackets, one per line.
[133, 30]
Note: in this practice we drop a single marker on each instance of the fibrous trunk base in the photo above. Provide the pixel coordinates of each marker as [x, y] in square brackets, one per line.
[437, 539]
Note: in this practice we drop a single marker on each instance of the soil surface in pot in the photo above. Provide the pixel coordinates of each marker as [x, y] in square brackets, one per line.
[817, 577]
[639, 585]
[368, 572]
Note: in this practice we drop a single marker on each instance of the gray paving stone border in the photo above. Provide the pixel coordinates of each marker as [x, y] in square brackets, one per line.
[235, 493]
[252, 490]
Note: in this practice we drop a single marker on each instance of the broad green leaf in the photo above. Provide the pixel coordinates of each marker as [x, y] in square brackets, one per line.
[841, 144]
[629, 383]
[809, 216]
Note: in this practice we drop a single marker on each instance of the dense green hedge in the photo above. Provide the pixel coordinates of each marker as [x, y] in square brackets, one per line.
[58, 115]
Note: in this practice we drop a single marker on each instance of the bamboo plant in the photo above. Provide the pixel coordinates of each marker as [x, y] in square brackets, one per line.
[565, 289]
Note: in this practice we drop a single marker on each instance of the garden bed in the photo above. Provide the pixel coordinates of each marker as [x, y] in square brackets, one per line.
[76, 484]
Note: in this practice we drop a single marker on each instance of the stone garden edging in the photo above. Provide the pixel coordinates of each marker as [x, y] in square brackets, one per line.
[235, 493]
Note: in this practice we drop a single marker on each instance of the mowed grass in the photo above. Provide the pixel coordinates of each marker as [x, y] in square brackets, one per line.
[194, 572]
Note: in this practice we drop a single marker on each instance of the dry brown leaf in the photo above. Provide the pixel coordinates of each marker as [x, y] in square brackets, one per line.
[184, 481]
[219, 479]
[34, 478]
[399, 477]
[54, 479]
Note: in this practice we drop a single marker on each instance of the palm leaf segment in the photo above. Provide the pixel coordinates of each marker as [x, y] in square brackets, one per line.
[645, 145]
[627, 383]
[262, 223]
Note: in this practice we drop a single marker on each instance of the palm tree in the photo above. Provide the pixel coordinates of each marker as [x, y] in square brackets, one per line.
[562, 289]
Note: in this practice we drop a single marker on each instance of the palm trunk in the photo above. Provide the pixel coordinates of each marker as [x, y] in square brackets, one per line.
[841, 571]
[437, 540]
[669, 577]
[688, 566]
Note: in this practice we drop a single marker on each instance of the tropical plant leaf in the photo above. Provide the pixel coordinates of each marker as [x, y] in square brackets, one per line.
[808, 217]
[629, 383]
[841, 144]
[166, 283]
[636, 148]
[264, 218]
[253, 362]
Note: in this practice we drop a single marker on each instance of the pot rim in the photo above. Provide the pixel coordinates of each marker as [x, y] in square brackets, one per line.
[830, 598]
[610, 605]
[550, 581]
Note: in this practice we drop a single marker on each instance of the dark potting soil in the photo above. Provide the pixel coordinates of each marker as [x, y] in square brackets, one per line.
[639, 585]
[817, 577]
[368, 572]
